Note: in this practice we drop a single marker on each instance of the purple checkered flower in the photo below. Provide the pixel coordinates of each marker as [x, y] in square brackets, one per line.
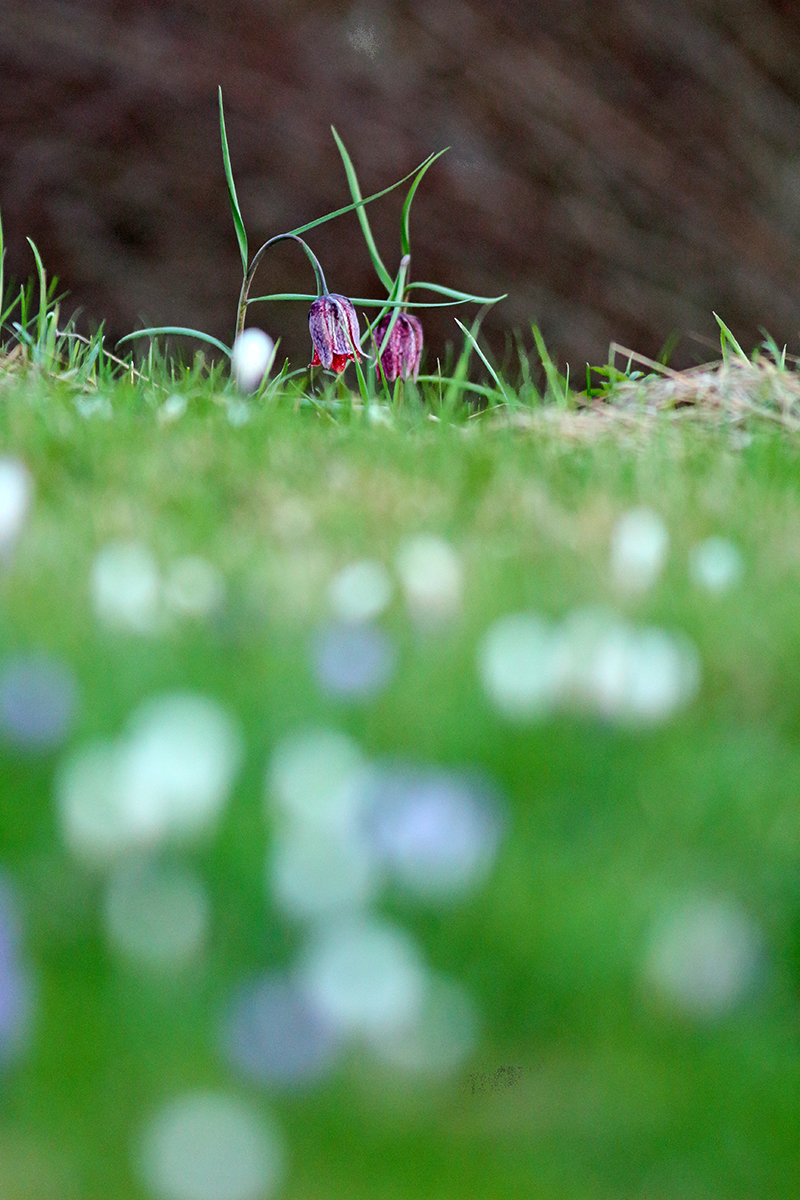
[334, 332]
[402, 354]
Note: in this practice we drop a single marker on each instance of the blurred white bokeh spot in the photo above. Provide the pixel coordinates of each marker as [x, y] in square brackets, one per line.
[715, 564]
[360, 592]
[96, 823]
[180, 759]
[126, 587]
[168, 777]
[634, 675]
[592, 661]
[704, 957]
[520, 665]
[156, 914]
[253, 353]
[313, 871]
[272, 1036]
[16, 493]
[210, 1146]
[194, 587]
[435, 831]
[172, 409]
[315, 776]
[639, 548]
[431, 577]
[363, 975]
[440, 1038]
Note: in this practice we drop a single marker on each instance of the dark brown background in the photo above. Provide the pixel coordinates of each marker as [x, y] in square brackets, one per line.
[620, 168]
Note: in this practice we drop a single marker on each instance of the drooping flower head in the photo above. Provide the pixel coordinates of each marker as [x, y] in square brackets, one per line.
[402, 354]
[334, 332]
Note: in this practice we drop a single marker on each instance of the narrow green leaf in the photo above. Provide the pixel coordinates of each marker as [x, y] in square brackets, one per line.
[464, 385]
[405, 238]
[365, 303]
[238, 223]
[457, 381]
[446, 291]
[483, 358]
[165, 330]
[41, 316]
[355, 192]
[356, 205]
[727, 337]
[557, 386]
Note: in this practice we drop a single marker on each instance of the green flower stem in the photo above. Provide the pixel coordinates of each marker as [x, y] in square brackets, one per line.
[322, 287]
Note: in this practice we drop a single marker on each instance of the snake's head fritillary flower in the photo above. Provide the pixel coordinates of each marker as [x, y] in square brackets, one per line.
[334, 332]
[402, 354]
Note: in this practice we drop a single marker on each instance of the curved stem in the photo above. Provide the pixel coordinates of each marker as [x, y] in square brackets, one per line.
[322, 287]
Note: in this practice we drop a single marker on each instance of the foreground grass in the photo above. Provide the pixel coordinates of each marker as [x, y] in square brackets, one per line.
[613, 1095]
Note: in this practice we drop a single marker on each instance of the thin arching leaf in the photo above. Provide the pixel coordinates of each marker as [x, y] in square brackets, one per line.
[236, 212]
[355, 192]
[446, 291]
[179, 331]
[405, 239]
[364, 303]
[358, 204]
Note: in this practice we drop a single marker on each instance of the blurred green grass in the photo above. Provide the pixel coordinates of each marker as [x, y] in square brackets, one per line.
[606, 825]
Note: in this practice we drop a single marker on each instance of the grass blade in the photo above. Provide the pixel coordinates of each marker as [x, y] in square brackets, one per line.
[483, 359]
[458, 381]
[355, 192]
[405, 237]
[727, 338]
[236, 212]
[557, 386]
[165, 330]
[41, 316]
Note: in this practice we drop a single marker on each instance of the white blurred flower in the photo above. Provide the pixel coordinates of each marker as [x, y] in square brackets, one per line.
[438, 1039]
[16, 493]
[637, 675]
[520, 665]
[704, 957]
[360, 592]
[363, 976]
[715, 564]
[313, 872]
[253, 352]
[194, 587]
[592, 661]
[126, 587]
[168, 778]
[639, 547]
[172, 409]
[179, 762]
[315, 776]
[210, 1146]
[156, 914]
[431, 576]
